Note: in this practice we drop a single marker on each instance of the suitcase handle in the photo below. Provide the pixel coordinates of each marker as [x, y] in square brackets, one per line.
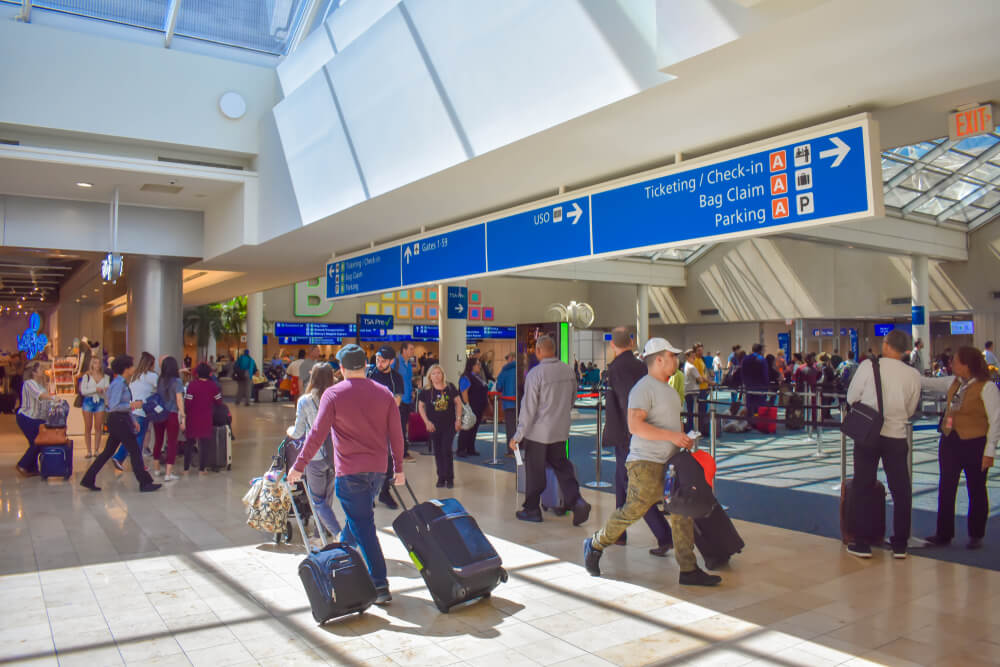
[298, 517]
[422, 525]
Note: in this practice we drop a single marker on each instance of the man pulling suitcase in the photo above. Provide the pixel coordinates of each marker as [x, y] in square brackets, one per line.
[362, 417]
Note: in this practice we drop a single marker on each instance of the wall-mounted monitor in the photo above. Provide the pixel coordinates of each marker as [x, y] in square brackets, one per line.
[959, 327]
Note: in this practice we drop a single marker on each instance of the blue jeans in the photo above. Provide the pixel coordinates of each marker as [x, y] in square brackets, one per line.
[140, 437]
[357, 496]
[319, 484]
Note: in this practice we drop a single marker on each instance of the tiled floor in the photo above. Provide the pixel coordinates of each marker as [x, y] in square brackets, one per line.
[176, 578]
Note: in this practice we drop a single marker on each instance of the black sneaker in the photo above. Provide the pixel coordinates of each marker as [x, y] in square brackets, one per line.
[440, 485]
[388, 501]
[383, 596]
[530, 515]
[698, 577]
[859, 549]
[147, 488]
[938, 541]
[899, 551]
[450, 484]
[592, 557]
[92, 487]
[581, 512]
[975, 543]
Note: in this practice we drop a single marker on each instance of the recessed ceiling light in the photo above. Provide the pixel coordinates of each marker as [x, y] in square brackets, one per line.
[84, 184]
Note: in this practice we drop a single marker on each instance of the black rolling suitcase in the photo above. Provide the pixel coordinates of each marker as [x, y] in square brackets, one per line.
[862, 513]
[336, 578]
[795, 412]
[216, 455]
[447, 546]
[716, 538]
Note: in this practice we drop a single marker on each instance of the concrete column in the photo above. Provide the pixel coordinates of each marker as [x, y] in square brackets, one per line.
[836, 336]
[154, 294]
[920, 295]
[452, 339]
[641, 315]
[799, 339]
[255, 327]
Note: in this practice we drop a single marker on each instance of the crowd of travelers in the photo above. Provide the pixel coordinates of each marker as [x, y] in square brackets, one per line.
[354, 411]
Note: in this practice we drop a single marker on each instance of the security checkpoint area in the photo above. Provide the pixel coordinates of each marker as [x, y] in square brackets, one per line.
[514, 333]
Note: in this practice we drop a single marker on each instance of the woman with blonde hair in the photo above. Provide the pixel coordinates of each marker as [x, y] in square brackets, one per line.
[30, 416]
[440, 406]
[93, 386]
[319, 472]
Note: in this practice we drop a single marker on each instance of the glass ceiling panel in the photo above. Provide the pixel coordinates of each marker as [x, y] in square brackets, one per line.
[960, 183]
[261, 25]
[144, 13]
[264, 26]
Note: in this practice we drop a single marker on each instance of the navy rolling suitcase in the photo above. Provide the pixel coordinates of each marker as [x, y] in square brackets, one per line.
[335, 577]
[447, 546]
[552, 497]
[55, 460]
[716, 538]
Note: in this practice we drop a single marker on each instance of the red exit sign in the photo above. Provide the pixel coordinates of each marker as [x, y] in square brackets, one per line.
[970, 122]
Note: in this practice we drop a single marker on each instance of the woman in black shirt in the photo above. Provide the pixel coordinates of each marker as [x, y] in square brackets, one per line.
[440, 407]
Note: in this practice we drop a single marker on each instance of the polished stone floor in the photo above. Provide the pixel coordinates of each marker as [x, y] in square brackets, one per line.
[176, 578]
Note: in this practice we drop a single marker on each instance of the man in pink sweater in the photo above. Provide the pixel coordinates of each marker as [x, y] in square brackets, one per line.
[364, 421]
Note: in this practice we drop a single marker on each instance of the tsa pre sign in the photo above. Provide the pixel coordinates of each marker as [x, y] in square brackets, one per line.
[813, 178]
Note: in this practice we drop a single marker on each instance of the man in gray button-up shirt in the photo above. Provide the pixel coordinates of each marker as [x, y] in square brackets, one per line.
[542, 430]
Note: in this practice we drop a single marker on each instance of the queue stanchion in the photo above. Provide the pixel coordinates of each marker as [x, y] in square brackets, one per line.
[843, 455]
[598, 452]
[496, 430]
[913, 542]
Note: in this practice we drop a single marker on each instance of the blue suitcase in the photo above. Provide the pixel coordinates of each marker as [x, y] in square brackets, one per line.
[56, 460]
[552, 497]
[335, 577]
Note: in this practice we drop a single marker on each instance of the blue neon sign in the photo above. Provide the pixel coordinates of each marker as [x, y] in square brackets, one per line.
[32, 341]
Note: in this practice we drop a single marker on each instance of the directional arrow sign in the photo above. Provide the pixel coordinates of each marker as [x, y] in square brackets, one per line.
[458, 298]
[539, 235]
[576, 212]
[815, 176]
[838, 152]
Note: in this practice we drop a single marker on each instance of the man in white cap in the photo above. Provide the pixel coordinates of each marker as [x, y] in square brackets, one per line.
[654, 411]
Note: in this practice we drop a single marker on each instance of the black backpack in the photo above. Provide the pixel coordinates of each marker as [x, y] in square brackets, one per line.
[686, 490]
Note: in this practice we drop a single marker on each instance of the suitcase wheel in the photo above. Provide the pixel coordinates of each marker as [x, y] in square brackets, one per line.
[442, 607]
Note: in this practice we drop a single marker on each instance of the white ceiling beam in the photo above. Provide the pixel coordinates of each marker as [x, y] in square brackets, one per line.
[170, 22]
[628, 271]
[25, 14]
[307, 19]
[946, 242]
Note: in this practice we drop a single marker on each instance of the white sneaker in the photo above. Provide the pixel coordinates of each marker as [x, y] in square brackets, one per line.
[171, 478]
[158, 473]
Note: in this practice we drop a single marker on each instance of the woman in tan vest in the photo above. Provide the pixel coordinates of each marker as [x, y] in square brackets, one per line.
[970, 429]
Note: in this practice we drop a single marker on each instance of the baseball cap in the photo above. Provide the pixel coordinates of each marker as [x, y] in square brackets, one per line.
[386, 352]
[352, 357]
[655, 345]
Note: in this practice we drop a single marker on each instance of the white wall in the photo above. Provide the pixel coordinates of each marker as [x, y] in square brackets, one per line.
[75, 81]
[31, 222]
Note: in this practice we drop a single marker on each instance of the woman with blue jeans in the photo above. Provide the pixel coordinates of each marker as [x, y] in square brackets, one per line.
[93, 386]
[30, 417]
[319, 471]
[142, 386]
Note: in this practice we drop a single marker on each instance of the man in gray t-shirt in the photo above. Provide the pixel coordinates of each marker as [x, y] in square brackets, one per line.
[654, 422]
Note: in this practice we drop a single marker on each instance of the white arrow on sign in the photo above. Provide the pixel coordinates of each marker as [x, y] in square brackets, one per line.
[575, 213]
[460, 308]
[406, 254]
[839, 151]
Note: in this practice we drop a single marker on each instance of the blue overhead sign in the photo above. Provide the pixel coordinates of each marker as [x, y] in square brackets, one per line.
[807, 178]
[883, 329]
[372, 272]
[810, 179]
[458, 253]
[458, 303]
[549, 234]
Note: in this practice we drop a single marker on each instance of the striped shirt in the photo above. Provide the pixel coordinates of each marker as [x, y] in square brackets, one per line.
[31, 406]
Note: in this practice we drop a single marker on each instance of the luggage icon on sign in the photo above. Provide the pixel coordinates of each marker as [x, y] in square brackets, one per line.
[803, 178]
[557, 214]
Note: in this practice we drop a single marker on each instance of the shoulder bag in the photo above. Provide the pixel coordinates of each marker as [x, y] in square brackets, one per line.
[863, 423]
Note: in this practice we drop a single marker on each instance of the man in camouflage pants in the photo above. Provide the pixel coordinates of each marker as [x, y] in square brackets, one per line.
[654, 421]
